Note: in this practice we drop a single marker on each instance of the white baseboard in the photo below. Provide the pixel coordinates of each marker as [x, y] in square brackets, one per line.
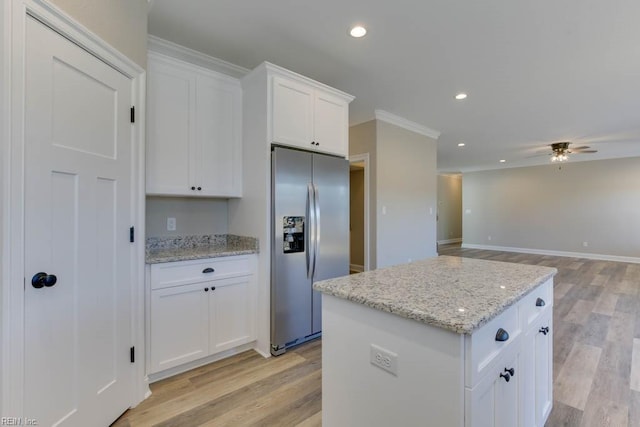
[444, 242]
[356, 267]
[602, 257]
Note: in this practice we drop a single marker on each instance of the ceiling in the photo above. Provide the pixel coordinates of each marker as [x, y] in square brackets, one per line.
[536, 72]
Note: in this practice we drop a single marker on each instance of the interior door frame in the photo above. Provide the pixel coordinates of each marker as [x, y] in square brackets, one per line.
[364, 158]
[12, 338]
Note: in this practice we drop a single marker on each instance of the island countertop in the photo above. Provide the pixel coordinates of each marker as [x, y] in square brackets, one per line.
[458, 294]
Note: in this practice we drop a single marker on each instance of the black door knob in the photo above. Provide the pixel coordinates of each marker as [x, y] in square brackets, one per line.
[502, 335]
[511, 371]
[540, 302]
[42, 279]
[506, 376]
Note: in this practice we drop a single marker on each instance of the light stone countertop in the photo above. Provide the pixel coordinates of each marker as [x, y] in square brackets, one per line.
[183, 248]
[458, 294]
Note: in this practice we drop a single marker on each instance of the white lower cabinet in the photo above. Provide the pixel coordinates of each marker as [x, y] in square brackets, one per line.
[494, 401]
[210, 310]
[540, 373]
[179, 326]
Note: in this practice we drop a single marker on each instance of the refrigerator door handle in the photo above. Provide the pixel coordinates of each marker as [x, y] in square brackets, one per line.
[310, 231]
[316, 249]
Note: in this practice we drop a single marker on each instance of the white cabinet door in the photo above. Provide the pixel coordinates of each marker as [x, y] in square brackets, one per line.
[218, 137]
[232, 313]
[170, 126]
[495, 400]
[194, 145]
[292, 113]
[331, 127]
[179, 325]
[543, 357]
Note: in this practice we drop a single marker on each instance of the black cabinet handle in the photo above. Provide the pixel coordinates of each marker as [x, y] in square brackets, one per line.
[510, 371]
[544, 330]
[208, 270]
[502, 335]
[506, 376]
[206, 289]
[540, 302]
[42, 279]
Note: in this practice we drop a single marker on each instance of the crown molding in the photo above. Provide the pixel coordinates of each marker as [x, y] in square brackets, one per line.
[385, 116]
[156, 44]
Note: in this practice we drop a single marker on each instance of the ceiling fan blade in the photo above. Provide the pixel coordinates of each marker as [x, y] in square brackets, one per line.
[538, 155]
[582, 152]
[584, 147]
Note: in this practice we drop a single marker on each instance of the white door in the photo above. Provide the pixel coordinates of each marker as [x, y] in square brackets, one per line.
[78, 208]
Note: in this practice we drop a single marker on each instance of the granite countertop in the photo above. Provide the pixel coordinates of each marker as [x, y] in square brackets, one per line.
[183, 248]
[458, 294]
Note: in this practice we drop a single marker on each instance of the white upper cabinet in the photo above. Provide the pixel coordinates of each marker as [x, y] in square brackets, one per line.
[194, 144]
[308, 114]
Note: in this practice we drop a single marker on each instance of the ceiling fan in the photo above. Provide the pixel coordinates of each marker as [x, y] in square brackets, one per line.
[560, 151]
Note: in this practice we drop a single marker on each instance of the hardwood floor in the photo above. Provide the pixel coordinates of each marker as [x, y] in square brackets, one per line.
[596, 362]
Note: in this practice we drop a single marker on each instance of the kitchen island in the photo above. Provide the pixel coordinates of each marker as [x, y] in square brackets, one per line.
[445, 341]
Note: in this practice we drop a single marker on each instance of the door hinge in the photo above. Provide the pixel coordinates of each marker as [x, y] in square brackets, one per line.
[132, 232]
[132, 354]
[133, 114]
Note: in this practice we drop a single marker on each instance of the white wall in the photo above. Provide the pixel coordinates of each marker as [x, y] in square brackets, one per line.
[404, 181]
[449, 207]
[406, 188]
[547, 208]
[193, 216]
[121, 23]
[362, 140]
[4, 189]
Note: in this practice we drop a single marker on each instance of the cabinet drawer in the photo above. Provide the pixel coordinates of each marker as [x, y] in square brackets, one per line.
[179, 273]
[482, 349]
[536, 303]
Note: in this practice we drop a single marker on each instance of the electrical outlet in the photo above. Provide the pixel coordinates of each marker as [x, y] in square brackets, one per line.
[384, 359]
[171, 224]
[585, 244]
[489, 238]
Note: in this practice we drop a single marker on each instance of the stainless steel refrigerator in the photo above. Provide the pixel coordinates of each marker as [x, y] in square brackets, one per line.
[310, 239]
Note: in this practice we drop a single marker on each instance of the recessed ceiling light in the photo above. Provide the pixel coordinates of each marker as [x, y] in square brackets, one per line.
[461, 95]
[461, 144]
[503, 161]
[358, 31]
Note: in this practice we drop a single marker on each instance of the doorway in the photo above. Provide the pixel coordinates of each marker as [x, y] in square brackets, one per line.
[359, 213]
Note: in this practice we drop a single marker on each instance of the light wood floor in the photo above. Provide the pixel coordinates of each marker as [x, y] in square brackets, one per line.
[596, 362]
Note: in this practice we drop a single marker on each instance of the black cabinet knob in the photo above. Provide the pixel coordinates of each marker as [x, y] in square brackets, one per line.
[208, 270]
[510, 371]
[199, 188]
[42, 279]
[213, 288]
[502, 335]
[193, 188]
[506, 376]
[540, 302]
[544, 330]
[206, 289]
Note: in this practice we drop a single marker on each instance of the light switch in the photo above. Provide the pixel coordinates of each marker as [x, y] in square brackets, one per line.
[171, 224]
